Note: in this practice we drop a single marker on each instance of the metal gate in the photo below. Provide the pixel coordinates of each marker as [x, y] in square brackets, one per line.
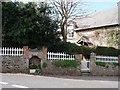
[85, 66]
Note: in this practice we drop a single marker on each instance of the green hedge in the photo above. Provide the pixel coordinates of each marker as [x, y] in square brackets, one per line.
[107, 51]
[103, 64]
[65, 63]
[44, 65]
[75, 49]
[65, 47]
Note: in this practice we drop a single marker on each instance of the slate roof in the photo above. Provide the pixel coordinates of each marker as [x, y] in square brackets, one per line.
[98, 19]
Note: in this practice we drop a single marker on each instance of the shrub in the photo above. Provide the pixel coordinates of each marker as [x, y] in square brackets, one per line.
[101, 64]
[65, 47]
[65, 63]
[44, 65]
[104, 64]
[116, 64]
[72, 48]
[32, 66]
[107, 51]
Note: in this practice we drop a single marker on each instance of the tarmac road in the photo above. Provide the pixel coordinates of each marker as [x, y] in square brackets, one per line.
[32, 81]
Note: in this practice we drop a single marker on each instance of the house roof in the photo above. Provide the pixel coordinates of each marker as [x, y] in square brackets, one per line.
[108, 17]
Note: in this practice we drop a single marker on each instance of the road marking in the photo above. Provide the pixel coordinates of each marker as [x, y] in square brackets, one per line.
[19, 86]
[3, 83]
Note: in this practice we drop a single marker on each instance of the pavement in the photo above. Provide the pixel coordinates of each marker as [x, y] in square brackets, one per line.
[36, 81]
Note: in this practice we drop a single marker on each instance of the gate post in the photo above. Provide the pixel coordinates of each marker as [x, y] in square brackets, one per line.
[26, 51]
[92, 62]
[119, 65]
[44, 51]
[26, 55]
[44, 55]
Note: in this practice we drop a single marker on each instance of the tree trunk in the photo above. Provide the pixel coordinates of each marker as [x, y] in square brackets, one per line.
[64, 29]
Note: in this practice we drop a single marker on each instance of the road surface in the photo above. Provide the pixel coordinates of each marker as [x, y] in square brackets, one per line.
[32, 81]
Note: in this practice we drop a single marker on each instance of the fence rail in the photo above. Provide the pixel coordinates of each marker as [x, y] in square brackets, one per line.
[107, 59]
[59, 56]
[11, 51]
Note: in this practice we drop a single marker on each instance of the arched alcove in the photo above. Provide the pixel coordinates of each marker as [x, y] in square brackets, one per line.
[35, 60]
[35, 64]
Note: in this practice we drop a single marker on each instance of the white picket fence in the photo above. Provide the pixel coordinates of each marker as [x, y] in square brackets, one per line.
[107, 59]
[4, 51]
[59, 56]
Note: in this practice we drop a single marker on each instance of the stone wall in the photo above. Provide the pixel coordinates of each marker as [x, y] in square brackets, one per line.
[11, 64]
[109, 70]
[52, 70]
[20, 64]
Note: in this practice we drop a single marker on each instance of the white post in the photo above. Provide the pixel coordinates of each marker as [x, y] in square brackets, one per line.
[0, 51]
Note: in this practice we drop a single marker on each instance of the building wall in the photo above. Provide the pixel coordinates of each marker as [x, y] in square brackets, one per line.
[119, 23]
[101, 36]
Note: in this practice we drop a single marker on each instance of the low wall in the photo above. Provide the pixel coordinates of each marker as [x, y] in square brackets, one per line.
[111, 70]
[108, 70]
[52, 70]
[11, 64]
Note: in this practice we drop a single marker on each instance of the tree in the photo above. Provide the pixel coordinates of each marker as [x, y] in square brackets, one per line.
[66, 9]
[28, 24]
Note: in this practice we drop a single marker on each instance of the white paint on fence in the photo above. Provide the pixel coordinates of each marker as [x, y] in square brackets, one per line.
[107, 59]
[4, 51]
[59, 56]
[85, 66]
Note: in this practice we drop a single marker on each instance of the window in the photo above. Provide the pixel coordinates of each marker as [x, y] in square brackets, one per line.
[71, 33]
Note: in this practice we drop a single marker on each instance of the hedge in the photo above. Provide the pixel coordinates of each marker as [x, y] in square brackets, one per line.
[65, 63]
[85, 50]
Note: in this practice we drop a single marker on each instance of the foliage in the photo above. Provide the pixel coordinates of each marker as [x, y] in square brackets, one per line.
[33, 66]
[44, 65]
[28, 24]
[101, 64]
[116, 64]
[105, 64]
[65, 47]
[70, 48]
[107, 51]
[65, 63]
[113, 37]
[75, 49]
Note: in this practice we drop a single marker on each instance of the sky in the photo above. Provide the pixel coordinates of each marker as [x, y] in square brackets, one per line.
[98, 6]
[94, 5]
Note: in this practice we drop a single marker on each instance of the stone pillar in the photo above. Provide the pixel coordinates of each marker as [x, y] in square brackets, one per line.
[26, 52]
[26, 55]
[119, 66]
[78, 57]
[92, 62]
[119, 59]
